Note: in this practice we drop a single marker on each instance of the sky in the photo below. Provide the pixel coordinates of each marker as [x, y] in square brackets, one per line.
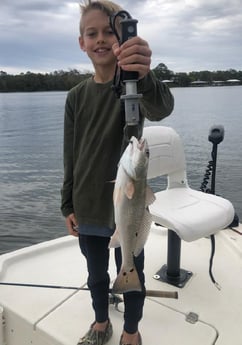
[41, 36]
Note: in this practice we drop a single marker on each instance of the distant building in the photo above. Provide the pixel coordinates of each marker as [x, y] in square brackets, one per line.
[167, 81]
[199, 83]
[218, 83]
[233, 82]
[170, 83]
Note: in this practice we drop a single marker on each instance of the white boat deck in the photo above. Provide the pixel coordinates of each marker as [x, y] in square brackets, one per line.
[41, 316]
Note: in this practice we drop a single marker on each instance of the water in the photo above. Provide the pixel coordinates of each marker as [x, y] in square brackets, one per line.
[31, 132]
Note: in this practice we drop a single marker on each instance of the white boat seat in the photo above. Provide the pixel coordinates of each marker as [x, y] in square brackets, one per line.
[191, 214]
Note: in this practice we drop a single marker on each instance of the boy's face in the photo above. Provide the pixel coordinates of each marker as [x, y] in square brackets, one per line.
[97, 39]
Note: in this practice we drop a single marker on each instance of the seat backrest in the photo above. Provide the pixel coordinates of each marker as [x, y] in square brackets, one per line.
[166, 155]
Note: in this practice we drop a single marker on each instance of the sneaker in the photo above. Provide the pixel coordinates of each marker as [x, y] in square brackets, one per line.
[139, 340]
[93, 337]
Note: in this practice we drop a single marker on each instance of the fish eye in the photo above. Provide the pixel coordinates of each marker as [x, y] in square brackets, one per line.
[147, 152]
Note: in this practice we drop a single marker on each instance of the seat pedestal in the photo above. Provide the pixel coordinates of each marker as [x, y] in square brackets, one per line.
[172, 273]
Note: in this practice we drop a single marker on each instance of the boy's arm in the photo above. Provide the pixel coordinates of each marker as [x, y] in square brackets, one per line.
[157, 101]
[66, 192]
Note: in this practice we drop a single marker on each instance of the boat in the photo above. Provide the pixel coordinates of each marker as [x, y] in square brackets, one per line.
[44, 298]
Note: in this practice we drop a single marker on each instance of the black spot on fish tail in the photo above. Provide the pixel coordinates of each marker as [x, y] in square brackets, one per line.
[127, 281]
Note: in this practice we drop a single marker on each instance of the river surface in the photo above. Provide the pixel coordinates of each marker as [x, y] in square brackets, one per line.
[31, 173]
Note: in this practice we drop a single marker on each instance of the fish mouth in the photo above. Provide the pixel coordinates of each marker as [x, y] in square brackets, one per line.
[140, 143]
[136, 158]
[143, 146]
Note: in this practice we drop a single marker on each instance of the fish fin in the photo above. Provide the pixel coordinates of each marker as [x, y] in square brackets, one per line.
[143, 232]
[115, 241]
[117, 195]
[129, 190]
[150, 196]
[127, 281]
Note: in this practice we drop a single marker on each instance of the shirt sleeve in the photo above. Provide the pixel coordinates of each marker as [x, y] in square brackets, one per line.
[157, 101]
[66, 192]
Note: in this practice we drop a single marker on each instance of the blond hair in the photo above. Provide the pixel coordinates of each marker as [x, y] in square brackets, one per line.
[106, 6]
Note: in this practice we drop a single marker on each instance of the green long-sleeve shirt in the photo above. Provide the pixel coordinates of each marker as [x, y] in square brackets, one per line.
[93, 134]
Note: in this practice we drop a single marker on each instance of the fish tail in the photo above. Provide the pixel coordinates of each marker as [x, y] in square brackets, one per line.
[127, 281]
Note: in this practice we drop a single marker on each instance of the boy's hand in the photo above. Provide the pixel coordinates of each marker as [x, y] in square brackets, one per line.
[71, 225]
[134, 55]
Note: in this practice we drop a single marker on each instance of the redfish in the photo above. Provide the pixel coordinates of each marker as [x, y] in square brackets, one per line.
[131, 198]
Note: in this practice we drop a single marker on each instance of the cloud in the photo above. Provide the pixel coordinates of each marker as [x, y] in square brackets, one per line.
[184, 34]
[194, 34]
[39, 34]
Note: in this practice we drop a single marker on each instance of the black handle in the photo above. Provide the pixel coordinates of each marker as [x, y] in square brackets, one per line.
[128, 30]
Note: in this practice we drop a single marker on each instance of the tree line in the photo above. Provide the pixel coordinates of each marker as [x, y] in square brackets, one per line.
[54, 81]
[65, 80]
[185, 79]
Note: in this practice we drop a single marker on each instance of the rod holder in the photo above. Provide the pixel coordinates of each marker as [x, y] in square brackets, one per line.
[172, 273]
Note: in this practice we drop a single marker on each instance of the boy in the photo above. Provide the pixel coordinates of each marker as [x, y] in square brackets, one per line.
[93, 135]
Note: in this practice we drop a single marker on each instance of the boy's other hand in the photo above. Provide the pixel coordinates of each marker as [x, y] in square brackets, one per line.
[134, 55]
[71, 225]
